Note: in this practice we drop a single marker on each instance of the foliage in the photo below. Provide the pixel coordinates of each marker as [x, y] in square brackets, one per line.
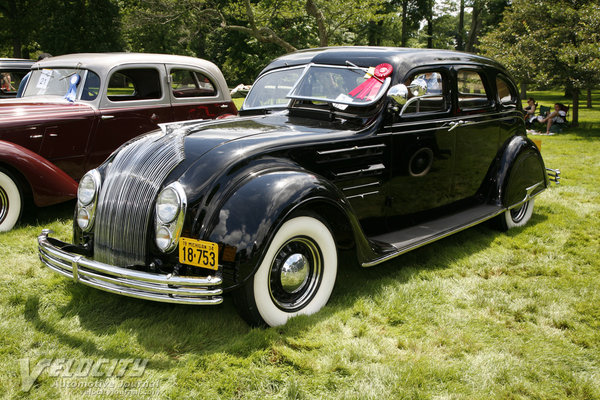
[479, 315]
[550, 43]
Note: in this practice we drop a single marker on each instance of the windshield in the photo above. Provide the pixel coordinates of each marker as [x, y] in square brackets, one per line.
[271, 89]
[56, 82]
[342, 86]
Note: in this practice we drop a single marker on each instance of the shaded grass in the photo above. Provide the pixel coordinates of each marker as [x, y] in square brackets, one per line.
[479, 315]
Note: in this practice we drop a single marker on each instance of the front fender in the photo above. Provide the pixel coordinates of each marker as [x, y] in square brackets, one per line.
[49, 184]
[252, 214]
[520, 169]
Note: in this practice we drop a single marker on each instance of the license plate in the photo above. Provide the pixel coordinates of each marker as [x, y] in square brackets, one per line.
[199, 253]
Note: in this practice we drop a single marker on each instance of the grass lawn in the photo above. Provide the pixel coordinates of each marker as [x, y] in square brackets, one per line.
[479, 315]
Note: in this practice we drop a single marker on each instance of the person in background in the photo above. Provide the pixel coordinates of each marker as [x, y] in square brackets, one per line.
[6, 84]
[530, 111]
[555, 118]
[26, 77]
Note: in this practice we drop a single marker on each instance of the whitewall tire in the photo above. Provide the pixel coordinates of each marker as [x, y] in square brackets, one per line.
[518, 216]
[11, 201]
[296, 276]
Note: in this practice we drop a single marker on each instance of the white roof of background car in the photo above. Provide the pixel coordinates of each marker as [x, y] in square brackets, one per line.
[102, 63]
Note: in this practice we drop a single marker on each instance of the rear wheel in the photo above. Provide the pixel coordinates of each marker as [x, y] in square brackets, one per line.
[296, 276]
[516, 217]
[11, 201]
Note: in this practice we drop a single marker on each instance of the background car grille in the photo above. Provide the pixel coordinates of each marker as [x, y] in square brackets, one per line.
[126, 199]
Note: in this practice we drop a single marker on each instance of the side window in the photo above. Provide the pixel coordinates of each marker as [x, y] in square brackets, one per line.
[506, 92]
[471, 90]
[188, 83]
[91, 87]
[10, 80]
[435, 100]
[134, 84]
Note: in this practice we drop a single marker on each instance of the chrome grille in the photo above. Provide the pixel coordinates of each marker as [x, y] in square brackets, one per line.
[126, 200]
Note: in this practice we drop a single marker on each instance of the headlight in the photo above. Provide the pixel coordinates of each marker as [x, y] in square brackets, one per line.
[167, 205]
[86, 192]
[87, 196]
[171, 204]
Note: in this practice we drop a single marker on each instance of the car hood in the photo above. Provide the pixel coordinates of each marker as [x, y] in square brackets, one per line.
[214, 150]
[26, 108]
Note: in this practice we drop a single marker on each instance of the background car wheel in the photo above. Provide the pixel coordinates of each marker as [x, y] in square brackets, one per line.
[518, 216]
[11, 201]
[296, 276]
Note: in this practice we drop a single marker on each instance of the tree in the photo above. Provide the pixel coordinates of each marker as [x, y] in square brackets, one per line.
[551, 43]
[18, 20]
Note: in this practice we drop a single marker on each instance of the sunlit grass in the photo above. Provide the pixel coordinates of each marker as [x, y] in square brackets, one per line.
[479, 315]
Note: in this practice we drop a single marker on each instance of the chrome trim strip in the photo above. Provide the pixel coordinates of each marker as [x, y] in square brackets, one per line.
[138, 284]
[528, 195]
[362, 195]
[355, 148]
[362, 186]
[431, 240]
[371, 168]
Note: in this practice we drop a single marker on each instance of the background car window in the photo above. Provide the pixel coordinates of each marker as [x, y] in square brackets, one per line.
[91, 87]
[134, 84]
[187, 83]
[471, 90]
[505, 92]
[10, 80]
[434, 100]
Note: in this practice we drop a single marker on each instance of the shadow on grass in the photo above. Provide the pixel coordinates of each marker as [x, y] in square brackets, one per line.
[178, 329]
[44, 215]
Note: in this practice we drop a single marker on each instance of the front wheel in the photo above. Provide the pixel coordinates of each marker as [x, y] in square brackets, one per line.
[11, 201]
[516, 217]
[296, 276]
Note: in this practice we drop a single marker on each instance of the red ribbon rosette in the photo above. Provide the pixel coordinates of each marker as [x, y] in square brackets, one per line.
[371, 86]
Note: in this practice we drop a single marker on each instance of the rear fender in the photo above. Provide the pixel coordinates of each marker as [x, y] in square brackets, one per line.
[520, 173]
[249, 218]
[49, 184]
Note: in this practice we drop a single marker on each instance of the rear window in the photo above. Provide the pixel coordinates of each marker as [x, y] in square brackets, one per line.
[187, 83]
[471, 90]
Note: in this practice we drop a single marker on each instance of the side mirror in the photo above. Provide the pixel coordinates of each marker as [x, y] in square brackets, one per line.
[418, 87]
[398, 94]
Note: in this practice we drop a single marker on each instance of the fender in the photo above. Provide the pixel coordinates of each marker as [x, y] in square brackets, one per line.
[249, 218]
[49, 184]
[519, 173]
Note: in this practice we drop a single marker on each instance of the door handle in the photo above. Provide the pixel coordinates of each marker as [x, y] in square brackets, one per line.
[154, 117]
[224, 106]
[107, 117]
[36, 136]
[455, 124]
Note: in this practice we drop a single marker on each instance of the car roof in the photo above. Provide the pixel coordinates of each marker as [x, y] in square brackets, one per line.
[102, 63]
[402, 59]
[16, 63]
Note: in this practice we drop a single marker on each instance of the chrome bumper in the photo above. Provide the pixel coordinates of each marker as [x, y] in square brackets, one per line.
[142, 285]
[553, 175]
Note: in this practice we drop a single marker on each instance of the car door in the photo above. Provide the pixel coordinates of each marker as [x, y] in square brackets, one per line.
[477, 130]
[195, 94]
[422, 149]
[135, 100]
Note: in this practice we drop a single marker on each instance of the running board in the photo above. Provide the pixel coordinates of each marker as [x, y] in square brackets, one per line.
[416, 236]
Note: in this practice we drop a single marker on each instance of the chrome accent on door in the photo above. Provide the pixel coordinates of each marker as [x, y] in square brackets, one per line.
[348, 149]
[371, 169]
[126, 202]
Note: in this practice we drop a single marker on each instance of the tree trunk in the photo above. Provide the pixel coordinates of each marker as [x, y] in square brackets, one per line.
[313, 10]
[475, 26]
[589, 98]
[404, 38]
[461, 26]
[430, 32]
[16, 45]
[575, 115]
[523, 91]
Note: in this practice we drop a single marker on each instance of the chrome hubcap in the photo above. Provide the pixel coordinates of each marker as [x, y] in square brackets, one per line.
[296, 274]
[518, 213]
[3, 204]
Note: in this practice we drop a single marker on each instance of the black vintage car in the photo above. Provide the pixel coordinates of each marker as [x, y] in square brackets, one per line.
[375, 150]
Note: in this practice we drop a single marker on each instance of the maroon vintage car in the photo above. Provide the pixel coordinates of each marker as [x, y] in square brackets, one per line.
[77, 109]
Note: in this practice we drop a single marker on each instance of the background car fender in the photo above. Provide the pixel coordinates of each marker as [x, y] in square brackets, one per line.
[519, 166]
[48, 183]
[252, 214]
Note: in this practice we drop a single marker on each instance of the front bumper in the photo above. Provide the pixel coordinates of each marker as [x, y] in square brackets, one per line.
[138, 284]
